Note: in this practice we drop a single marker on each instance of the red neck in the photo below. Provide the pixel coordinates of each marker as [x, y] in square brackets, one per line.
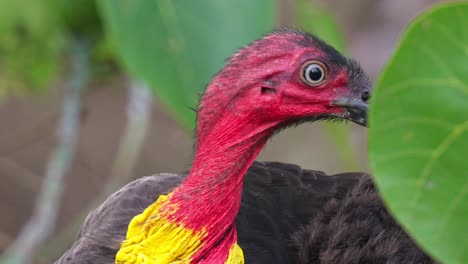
[210, 196]
[209, 199]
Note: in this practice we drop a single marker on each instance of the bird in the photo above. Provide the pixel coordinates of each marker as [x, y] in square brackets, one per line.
[228, 208]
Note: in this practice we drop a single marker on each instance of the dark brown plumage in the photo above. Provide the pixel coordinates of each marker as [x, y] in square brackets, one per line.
[356, 229]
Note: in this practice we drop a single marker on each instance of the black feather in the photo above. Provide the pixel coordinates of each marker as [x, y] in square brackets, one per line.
[356, 228]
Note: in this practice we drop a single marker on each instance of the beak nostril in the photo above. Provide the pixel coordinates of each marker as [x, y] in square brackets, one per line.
[365, 96]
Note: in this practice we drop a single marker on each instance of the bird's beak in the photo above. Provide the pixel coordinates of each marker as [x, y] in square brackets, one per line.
[356, 109]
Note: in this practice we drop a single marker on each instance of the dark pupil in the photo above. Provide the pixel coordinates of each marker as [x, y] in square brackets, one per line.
[315, 73]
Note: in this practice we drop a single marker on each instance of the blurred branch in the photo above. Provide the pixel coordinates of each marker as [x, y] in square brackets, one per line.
[44, 215]
[138, 117]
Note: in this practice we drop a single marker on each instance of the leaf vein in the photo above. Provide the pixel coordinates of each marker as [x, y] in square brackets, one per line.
[446, 68]
[450, 211]
[413, 83]
[436, 122]
[434, 157]
[453, 38]
[411, 153]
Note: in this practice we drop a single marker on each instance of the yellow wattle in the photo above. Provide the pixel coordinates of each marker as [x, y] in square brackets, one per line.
[236, 256]
[153, 239]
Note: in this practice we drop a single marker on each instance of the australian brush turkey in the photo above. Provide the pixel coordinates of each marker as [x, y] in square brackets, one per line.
[219, 212]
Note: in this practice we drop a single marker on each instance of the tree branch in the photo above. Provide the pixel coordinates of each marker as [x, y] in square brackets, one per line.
[44, 215]
[138, 117]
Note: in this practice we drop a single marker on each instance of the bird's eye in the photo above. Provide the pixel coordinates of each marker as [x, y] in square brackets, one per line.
[314, 73]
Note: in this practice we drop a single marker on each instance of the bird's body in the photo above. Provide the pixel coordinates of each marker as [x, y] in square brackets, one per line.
[269, 213]
[285, 216]
[282, 79]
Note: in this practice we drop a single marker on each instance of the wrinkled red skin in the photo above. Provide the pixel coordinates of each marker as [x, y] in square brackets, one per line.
[235, 119]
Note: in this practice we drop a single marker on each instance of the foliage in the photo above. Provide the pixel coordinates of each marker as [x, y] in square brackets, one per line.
[176, 46]
[30, 39]
[43, 218]
[419, 132]
[34, 35]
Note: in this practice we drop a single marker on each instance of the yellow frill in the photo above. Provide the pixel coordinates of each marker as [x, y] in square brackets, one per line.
[152, 239]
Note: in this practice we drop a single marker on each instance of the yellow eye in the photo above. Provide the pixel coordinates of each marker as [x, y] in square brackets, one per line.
[314, 73]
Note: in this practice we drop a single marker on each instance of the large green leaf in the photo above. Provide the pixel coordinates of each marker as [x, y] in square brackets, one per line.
[419, 132]
[177, 45]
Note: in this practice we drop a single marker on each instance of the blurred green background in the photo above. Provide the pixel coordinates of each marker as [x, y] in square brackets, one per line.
[184, 44]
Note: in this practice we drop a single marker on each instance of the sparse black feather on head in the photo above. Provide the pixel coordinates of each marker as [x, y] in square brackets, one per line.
[309, 40]
[358, 78]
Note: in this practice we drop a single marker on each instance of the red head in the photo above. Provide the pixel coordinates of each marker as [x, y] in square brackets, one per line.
[283, 78]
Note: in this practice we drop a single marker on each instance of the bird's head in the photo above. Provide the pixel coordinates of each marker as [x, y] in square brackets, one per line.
[283, 78]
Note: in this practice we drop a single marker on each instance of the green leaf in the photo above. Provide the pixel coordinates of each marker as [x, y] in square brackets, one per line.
[30, 42]
[177, 46]
[34, 36]
[419, 132]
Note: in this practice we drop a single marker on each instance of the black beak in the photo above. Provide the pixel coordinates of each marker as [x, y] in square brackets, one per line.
[356, 109]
